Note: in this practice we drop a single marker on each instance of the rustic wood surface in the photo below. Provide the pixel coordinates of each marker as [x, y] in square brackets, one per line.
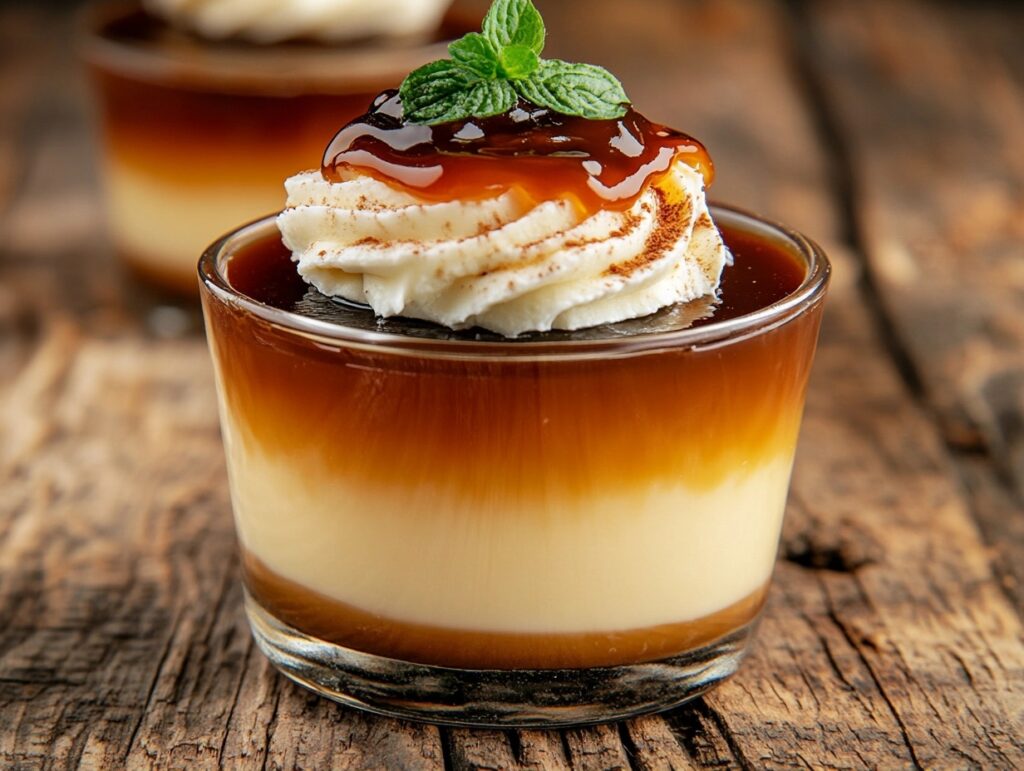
[890, 130]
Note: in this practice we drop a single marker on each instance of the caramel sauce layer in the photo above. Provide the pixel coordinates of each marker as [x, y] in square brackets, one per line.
[191, 137]
[546, 156]
[336, 622]
[518, 432]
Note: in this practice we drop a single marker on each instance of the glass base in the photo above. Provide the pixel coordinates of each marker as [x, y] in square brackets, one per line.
[533, 698]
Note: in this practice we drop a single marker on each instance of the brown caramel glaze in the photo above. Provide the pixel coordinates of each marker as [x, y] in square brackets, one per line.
[337, 622]
[540, 153]
[526, 434]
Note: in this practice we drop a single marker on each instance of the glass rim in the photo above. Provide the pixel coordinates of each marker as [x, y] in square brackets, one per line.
[249, 68]
[806, 296]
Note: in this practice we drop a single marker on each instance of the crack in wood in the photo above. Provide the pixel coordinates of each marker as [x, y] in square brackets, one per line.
[844, 192]
[566, 748]
[161, 661]
[851, 640]
[271, 724]
[446, 748]
[629, 748]
[962, 437]
[234, 703]
[515, 744]
[727, 734]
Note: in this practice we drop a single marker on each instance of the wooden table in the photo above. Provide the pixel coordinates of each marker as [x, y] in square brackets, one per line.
[890, 130]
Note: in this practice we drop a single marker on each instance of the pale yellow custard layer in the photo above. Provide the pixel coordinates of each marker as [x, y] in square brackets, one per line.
[614, 560]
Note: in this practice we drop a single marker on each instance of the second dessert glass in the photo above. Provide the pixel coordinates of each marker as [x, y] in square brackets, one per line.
[528, 533]
[197, 135]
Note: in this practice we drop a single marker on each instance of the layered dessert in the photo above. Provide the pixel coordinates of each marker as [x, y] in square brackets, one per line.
[206, 106]
[500, 392]
[483, 513]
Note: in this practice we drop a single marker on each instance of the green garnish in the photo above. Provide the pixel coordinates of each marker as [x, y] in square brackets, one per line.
[488, 73]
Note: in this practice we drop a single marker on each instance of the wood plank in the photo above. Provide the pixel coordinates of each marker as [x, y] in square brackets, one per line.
[114, 534]
[930, 125]
[933, 125]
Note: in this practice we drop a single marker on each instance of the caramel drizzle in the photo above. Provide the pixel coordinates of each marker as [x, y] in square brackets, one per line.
[599, 164]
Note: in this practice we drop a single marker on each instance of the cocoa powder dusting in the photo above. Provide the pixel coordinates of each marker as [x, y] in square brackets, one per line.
[669, 224]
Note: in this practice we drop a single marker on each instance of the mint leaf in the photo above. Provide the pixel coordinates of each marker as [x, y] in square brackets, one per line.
[515, 23]
[435, 90]
[487, 98]
[575, 89]
[475, 52]
[446, 91]
[488, 73]
[518, 62]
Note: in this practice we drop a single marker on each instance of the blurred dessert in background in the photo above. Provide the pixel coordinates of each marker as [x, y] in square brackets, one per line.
[206, 107]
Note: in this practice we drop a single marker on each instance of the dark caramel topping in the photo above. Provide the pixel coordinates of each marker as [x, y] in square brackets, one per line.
[546, 155]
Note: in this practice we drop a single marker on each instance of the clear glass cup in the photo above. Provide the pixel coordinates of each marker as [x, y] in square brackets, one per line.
[196, 136]
[509, 533]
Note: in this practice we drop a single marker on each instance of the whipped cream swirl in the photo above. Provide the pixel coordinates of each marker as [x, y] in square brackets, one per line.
[502, 263]
[270, 21]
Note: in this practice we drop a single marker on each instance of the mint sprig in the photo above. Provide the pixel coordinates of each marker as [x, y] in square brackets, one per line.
[489, 71]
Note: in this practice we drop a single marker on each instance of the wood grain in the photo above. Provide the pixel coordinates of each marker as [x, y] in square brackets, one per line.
[891, 638]
[929, 129]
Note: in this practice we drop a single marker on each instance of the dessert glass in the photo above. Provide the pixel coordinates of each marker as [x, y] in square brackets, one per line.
[529, 533]
[197, 135]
